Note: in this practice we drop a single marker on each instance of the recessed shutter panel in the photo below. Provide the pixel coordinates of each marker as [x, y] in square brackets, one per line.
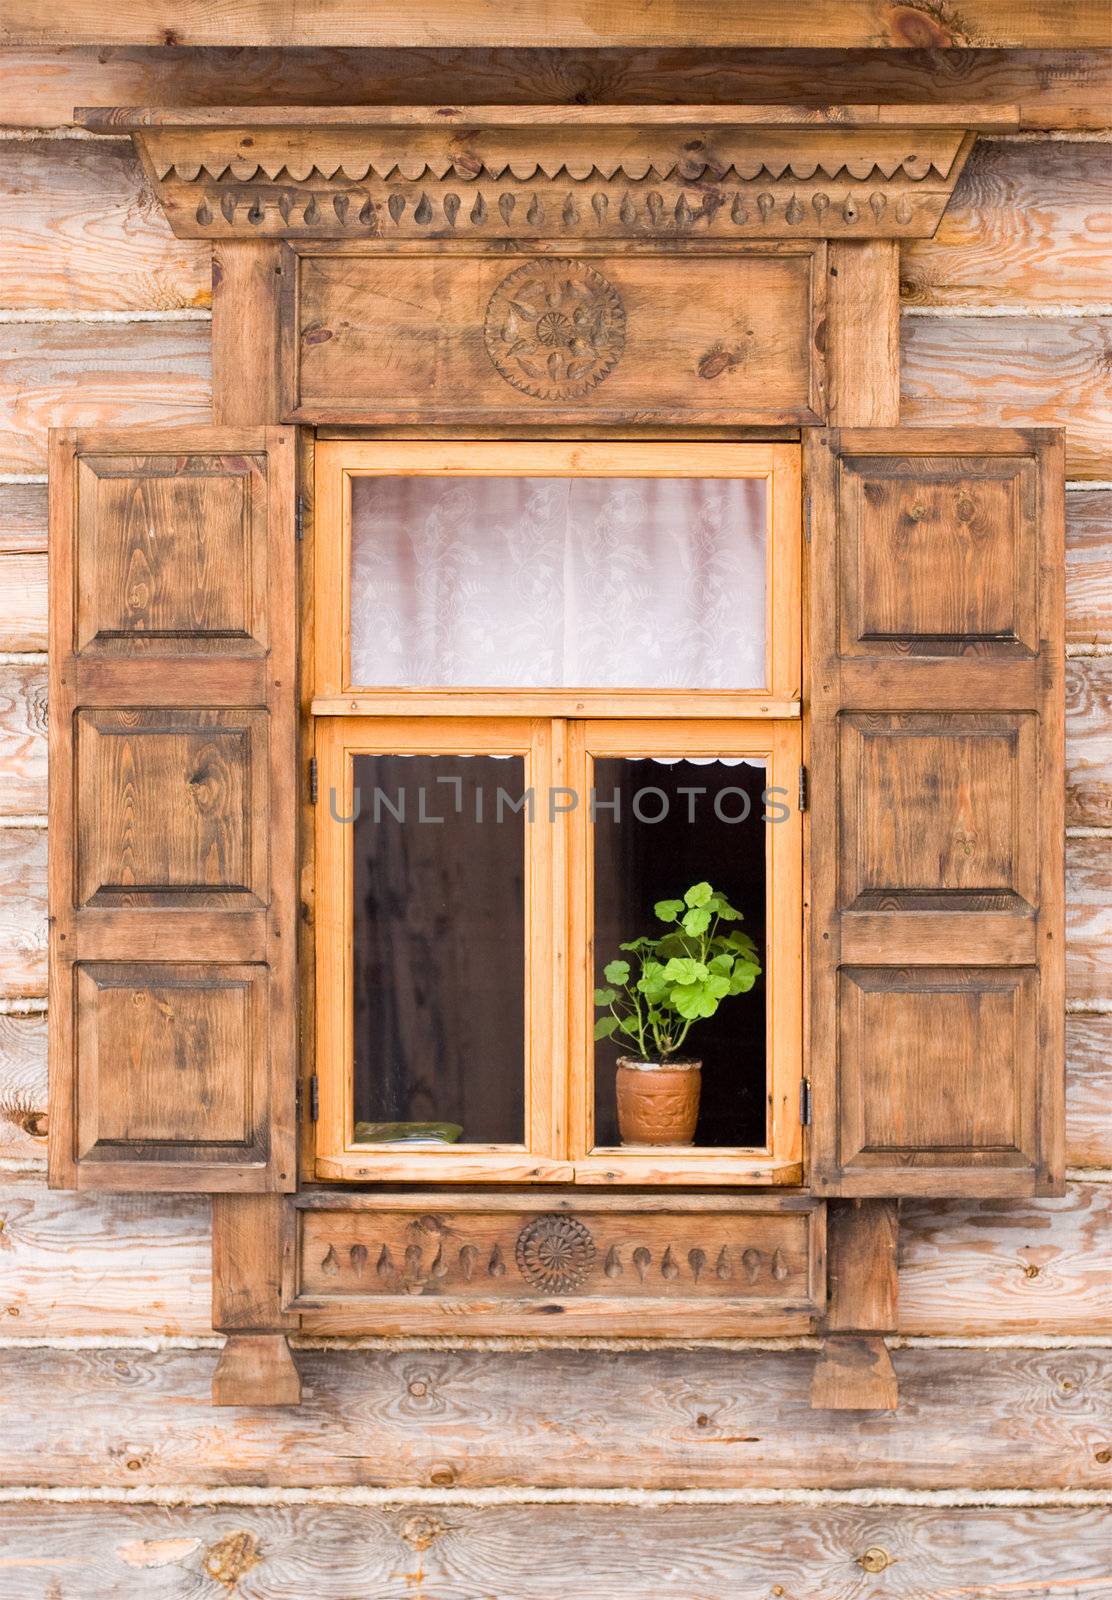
[937, 823]
[172, 810]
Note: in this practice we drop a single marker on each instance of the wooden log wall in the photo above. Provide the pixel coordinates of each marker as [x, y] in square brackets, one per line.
[490, 1469]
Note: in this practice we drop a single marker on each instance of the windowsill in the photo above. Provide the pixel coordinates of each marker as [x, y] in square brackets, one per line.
[668, 1167]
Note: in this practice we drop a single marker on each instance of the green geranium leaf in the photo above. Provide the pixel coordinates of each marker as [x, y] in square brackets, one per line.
[721, 963]
[605, 1026]
[668, 910]
[696, 921]
[717, 986]
[692, 1001]
[636, 944]
[698, 894]
[616, 971]
[605, 997]
[683, 969]
[722, 908]
[629, 1025]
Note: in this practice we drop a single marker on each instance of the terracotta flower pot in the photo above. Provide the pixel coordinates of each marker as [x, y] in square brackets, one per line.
[658, 1101]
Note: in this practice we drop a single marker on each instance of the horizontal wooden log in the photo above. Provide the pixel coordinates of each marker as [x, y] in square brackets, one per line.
[1089, 1091]
[118, 1264]
[23, 520]
[23, 1121]
[1089, 566]
[23, 523]
[1028, 224]
[686, 24]
[1001, 1267]
[22, 911]
[1054, 88]
[22, 737]
[23, 588]
[656, 1419]
[97, 375]
[80, 230]
[546, 1552]
[1089, 920]
[86, 1264]
[1014, 371]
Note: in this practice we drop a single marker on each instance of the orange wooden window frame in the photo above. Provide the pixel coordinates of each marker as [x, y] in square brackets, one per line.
[557, 732]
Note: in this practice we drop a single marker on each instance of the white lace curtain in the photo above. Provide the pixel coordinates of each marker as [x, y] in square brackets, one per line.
[558, 582]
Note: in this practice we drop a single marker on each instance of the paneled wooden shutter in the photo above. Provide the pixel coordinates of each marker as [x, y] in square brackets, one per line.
[173, 787]
[937, 827]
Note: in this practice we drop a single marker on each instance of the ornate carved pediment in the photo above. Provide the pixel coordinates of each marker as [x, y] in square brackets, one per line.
[574, 173]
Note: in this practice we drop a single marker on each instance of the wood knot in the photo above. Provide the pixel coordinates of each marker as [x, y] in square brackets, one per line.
[34, 1123]
[229, 1558]
[874, 1559]
[419, 1532]
[442, 1477]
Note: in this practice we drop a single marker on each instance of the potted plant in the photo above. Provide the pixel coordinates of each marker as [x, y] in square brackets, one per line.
[669, 982]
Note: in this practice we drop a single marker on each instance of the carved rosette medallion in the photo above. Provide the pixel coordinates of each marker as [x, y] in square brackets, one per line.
[556, 1253]
[555, 329]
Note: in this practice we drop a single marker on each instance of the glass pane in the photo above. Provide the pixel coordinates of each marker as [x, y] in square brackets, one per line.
[630, 583]
[439, 948]
[662, 827]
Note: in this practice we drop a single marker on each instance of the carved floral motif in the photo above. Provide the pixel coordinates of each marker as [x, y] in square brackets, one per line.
[555, 329]
[555, 1253]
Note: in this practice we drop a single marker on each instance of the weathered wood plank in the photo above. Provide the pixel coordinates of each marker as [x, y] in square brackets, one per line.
[23, 1088]
[546, 1552]
[1027, 224]
[23, 587]
[1002, 1267]
[762, 24]
[1055, 88]
[1089, 920]
[22, 738]
[80, 1264]
[23, 517]
[1089, 742]
[95, 375]
[23, 566]
[1089, 1091]
[670, 1418]
[80, 230]
[22, 911]
[86, 1264]
[1089, 566]
[1014, 371]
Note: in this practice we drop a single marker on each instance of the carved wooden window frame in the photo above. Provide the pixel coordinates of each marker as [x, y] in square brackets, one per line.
[557, 731]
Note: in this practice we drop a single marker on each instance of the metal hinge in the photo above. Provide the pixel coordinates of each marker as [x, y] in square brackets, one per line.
[299, 517]
[807, 519]
[803, 792]
[314, 1098]
[314, 782]
[805, 1102]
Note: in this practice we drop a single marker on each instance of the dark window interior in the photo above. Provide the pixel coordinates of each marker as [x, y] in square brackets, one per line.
[637, 863]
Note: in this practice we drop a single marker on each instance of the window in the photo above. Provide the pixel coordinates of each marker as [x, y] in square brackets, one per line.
[556, 684]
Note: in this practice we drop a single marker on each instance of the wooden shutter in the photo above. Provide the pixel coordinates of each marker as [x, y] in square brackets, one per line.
[937, 827]
[173, 789]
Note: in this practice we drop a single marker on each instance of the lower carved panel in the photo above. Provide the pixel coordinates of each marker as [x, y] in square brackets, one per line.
[618, 1264]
